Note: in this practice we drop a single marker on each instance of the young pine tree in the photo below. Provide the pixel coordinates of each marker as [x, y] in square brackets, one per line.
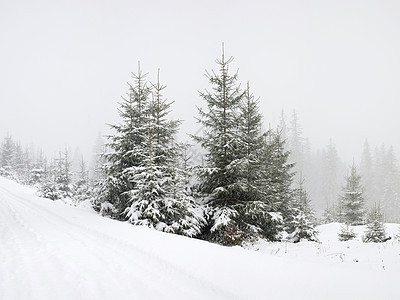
[57, 182]
[375, 232]
[7, 155]
[329, 214]
[346, 233]
[83, 190]
[303, 219]
[352, 200]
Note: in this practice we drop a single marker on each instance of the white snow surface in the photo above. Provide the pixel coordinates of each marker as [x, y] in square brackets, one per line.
[51, 250]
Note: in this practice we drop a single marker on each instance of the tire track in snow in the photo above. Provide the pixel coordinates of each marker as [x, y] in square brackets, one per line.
[24, 246]
[68, 261]
[148, 266]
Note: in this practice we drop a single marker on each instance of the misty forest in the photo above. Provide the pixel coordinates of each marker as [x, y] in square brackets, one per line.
[230, 183]
[237, 210]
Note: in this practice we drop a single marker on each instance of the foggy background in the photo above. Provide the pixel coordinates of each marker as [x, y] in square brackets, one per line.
[64, 65]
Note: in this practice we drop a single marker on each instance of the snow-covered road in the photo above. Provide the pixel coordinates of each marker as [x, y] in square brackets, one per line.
[49, 250]
[52, 251]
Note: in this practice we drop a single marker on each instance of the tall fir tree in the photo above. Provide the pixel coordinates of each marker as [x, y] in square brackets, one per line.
[218, 178]
[302, 225]
[351, 202]
[258, 215]
[283, 127]
[296, 145]
[391, 188]
[271, 212]
[159, 199]
[238, 178]
[367, 174]
[280, 175]
[125, 148]
[251, 143]
[330, 174]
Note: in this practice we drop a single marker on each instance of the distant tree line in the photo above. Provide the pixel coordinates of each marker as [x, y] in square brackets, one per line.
[325, 173]
[53, 178]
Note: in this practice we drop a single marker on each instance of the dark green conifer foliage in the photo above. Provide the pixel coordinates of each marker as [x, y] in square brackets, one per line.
[220, 139]
[279, 175]
[219, 179]
[246, 178]
[125, 147]
[257, 215]
[251, 143]
[302, 225]
[351, 203]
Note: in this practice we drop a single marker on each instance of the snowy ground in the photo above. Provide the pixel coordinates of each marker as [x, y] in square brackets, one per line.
[368, 257]
[49, 250]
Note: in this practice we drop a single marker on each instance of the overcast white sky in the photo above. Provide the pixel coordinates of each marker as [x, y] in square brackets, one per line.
[64, 64]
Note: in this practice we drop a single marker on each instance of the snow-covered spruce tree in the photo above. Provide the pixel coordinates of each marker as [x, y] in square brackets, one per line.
[351, 201]
[283, 127]
[159, 198]
[391, 188]
[331, 165]
[124, 150]
[303, 220]
[57, 182]
[234, 178]
[346, 233]
[339, 211]
[97, 162]
[186, 164]
[219, 180]
[367, 174]
[247, 178]
[265, 209]
[18, 162]
[27, 163]
[329, 214]
[279, 179]
[256, 215]
[83, 190]
[37, 173]
[7, 157]
[63, 175]
[296, 145]
[375, 232]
